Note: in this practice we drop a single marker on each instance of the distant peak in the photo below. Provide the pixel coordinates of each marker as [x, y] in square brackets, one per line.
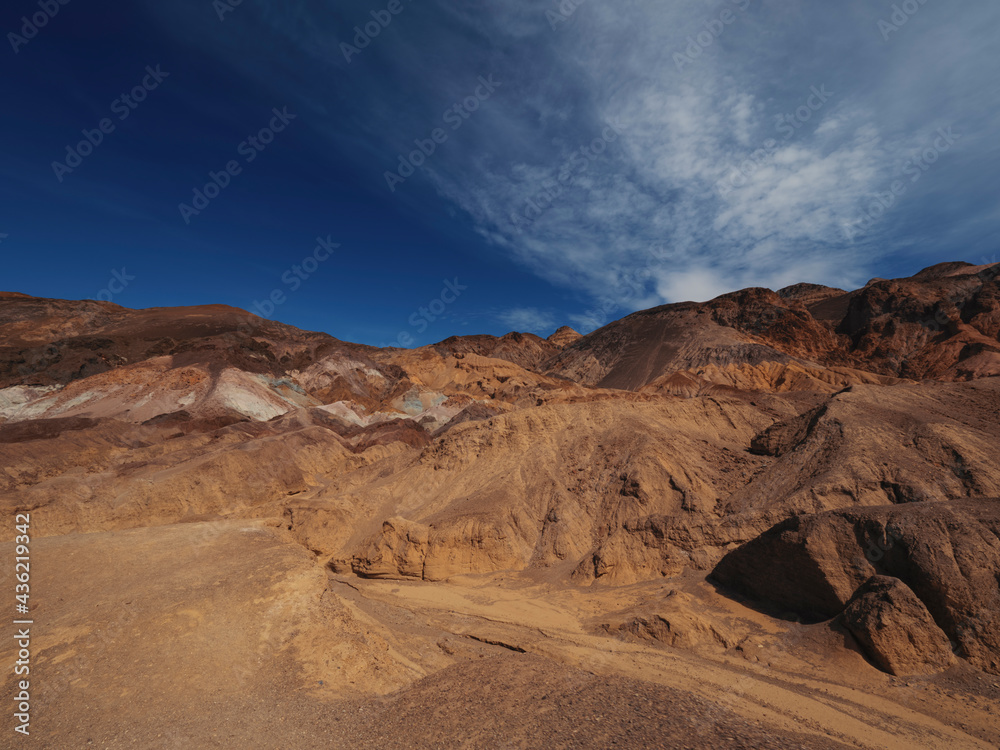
[564, 336]
[943, 270]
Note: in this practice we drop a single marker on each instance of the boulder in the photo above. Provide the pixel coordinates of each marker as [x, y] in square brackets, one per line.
[946, 552]
[895, 629]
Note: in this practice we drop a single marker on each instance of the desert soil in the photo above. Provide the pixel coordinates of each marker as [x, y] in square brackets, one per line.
[231, 634]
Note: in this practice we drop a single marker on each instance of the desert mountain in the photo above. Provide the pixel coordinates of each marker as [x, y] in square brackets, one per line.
[766, 488]
[942, 323]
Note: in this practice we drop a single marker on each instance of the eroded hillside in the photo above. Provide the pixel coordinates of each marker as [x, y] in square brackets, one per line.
[785, 491]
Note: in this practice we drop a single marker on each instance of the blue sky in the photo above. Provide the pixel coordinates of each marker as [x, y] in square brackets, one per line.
[554, 163]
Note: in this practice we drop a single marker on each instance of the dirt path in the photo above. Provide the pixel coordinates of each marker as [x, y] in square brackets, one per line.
[547, 622]
[230, 634]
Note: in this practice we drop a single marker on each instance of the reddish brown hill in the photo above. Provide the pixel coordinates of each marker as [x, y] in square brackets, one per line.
[47, 341]
[564, 336]
[524, 349]
[942, 323]
[749, 327]
[275, 518]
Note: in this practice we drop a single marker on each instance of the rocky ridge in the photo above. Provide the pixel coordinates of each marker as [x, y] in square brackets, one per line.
[760, 437]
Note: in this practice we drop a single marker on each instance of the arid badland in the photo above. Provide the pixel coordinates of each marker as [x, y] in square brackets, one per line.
[768, 520]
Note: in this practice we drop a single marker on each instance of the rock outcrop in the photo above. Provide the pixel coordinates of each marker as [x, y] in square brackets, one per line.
[652, 447]
[946, 552]
[895, 629]
[942, 323]
[564, 336]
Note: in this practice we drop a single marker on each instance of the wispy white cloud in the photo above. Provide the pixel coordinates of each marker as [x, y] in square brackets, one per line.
[819, 159]
[655, 185]
[646, 217]
[529, 320]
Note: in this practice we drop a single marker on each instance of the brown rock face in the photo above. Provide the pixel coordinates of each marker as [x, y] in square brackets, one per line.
[895, 629]
[942, 323]
[355, 520]
[524, 349]
[947, 553]
[399, 551]
[877, 445]
[485, 453]
[564, 336]
[811, 294]
[46, 341]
